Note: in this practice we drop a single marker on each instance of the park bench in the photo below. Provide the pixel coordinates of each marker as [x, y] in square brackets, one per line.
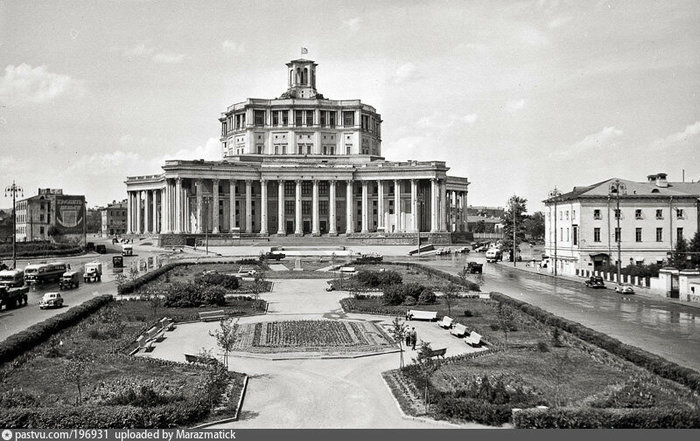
[210, 316]
[155, 334]
[191, 358]
[446, 322]
[473, 339]
[412, 314]
[144, 343]
[459, 330]
[167, 324]
[438, 352]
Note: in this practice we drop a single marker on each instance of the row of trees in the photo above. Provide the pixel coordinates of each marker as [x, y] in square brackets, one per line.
[687, 253]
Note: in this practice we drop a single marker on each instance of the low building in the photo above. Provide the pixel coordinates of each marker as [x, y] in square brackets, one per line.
[581, 226]
[485, 222]
[50, 211]
[114, 218]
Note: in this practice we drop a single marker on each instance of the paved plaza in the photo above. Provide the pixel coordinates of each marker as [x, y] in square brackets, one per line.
[313, 389]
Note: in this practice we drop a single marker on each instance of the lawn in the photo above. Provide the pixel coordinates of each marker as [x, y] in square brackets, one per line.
[409, 274]
[40, 387]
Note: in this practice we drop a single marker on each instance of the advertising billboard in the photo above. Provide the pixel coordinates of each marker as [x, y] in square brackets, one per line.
[70, 214]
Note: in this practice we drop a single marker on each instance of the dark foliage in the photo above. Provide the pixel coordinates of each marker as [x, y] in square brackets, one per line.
[591, 418]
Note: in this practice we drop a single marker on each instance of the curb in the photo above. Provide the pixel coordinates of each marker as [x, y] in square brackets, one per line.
[276, 357]
[230, 419]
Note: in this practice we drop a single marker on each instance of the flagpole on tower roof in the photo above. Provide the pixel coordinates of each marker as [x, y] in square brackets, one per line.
[304, 51]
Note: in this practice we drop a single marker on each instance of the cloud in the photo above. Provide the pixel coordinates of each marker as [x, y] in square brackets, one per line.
[210, 151]
[604, 138]
[168, 58]
[514, 105]
[405, 73]
[24, 84]
[441, 121]
[679, 138]
[232, 46]
[353, 23]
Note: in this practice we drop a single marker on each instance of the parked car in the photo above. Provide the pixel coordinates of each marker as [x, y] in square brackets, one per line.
[51, 300]
[101, 248]
[595, 282]
[624, 289]
[247, 272]
[274, 256]
[463, 250]
[330, 288]
[475, 268]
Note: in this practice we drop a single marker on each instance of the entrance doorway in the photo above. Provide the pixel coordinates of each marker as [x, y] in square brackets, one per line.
[307, 226]
[674, 294]
[290, 227]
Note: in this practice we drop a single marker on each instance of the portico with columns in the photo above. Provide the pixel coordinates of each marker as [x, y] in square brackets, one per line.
[302, 166]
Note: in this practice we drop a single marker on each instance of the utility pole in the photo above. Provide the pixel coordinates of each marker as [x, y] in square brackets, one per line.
[554, 194]
[514, 246]
[14, 189]
[616, 187]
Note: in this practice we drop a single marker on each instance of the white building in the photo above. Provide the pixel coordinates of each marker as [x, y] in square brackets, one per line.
[581, 226]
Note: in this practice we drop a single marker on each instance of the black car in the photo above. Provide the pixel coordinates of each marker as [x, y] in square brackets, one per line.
[474, 268]
[102, 249]
[274, 256]
[595, 282]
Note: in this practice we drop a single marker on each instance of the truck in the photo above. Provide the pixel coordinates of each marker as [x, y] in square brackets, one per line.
[12, 278]
[127, 250]
[13, 297]
[69, 279]
[93, 272]
[45, 272]
[494, 255]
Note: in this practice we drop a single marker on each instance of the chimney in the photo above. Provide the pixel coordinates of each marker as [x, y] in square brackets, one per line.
[651, 178]
[661, 180]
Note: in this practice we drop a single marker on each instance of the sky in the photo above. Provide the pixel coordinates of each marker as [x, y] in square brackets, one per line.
[518, 96]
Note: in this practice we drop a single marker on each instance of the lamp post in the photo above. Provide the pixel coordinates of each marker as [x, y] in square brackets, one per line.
[554, 194]
[14, 189]
[206, 224]
[616, 187]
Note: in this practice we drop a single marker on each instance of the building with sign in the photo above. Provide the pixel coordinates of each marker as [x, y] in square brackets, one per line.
[50, 211]
[113, 219]
[299, 165]
[581, 226]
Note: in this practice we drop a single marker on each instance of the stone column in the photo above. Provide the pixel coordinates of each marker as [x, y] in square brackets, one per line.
[349, 208]
[281, 230]
[164, 209]
[232, 204]
[433, 206]
[397, 205]
[129, 212]
[297, 212]
[178, 205]
[248, 206]
[443, 205]
[138, 230]
[200, 201]
[263, 207]
[464, 209]
[380, 205]
[315, 230]
[155, 210]
[147, 211]
[333, 228]
[414, 205]
[215, 206]
[365, 208]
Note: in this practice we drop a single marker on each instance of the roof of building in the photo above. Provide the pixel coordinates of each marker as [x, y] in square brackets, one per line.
[652, 188]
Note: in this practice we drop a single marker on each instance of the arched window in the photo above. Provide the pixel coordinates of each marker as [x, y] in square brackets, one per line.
[291, 79]
[305, 79]
[298, 77]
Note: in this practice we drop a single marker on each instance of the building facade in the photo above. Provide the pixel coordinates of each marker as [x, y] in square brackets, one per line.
[299, 165]
[113, 218]
[581, 227]
[51, 210]
[485, 222]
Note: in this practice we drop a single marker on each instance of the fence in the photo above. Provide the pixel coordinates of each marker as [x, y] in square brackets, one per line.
[642, 282]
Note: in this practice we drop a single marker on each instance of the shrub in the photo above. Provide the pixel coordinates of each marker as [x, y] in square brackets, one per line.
[183, 295]
[394, 295]
[542, 346]
[471, 409]
[376, 279]
[214, 295]
[413, 289]
[468, 313]
[426, 297]
[224, 280]
[589, 418]
[409, 301]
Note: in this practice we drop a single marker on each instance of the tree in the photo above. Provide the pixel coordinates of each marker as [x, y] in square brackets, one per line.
[450, 293]
[679, 256]
[399, 331]
[516, 209]
[506, 320]
[427, 365]
[226, 337]
[73, 372]
[259, 284]
[694, 248]
[534, 225]
[480, 227]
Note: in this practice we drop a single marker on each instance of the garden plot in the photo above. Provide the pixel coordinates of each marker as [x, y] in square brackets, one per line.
[277, 267]
[312, 335]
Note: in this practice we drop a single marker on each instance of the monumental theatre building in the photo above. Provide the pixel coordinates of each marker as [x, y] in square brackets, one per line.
[300, 165]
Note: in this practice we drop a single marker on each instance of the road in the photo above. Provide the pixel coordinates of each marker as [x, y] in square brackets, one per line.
[17, 319]
[658, 326]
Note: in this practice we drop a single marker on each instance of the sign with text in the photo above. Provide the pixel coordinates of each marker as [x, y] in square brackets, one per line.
[70, 214]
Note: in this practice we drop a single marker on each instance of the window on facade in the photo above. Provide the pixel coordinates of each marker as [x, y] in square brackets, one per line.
[596, 235]
[679, 233]
[275, 118]
[260, 148]
[659, 213]
[596, 214]
[285, 118]
[365, 122]
[308, 149]
[223, 128]
[323, 118]
[323, 188]
[659, 234]
[306, 188]
[41, 218]
[575, 235]
[638, 214]
[277, 150]
[331, 119]
[41, 230]
[323, 208]
[561, 233]
[348, 119]
[305, 207]
[573, 214]
[679, 213]
[309, 117]
[567, 234]
[298, 115]
[347, 148]
[289, 207]
[618, 232]
[567, 214]
[638, 234]
[618, 213]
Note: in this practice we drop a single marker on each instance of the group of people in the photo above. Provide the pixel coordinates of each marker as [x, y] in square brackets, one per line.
[411, 338]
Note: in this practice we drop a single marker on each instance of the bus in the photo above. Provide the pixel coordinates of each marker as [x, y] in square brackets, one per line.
[45, 272]
[12, 278]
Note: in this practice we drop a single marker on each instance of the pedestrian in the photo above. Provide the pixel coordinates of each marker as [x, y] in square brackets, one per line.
[414, 338]
[408, 339]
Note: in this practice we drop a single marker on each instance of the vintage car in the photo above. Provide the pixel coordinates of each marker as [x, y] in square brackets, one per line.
[270, 255]
[474, 268]
[595, 282]
[624, 289]
[51, 300]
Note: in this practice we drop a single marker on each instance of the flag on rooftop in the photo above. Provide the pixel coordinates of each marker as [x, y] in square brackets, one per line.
[304, 51]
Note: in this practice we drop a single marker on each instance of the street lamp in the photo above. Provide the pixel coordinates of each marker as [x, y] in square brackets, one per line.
[206, 223]
[616, 187]
[14, 189]
[554, 194]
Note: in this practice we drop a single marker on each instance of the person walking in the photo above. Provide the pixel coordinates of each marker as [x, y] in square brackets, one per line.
[414, 338]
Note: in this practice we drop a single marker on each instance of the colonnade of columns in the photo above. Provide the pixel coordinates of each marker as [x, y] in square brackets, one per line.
[167, 209]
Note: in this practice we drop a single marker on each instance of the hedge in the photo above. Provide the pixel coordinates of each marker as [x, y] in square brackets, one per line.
[18, 343]
[48, 253]
[471, 286]
[654, 363]
[590, 418]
